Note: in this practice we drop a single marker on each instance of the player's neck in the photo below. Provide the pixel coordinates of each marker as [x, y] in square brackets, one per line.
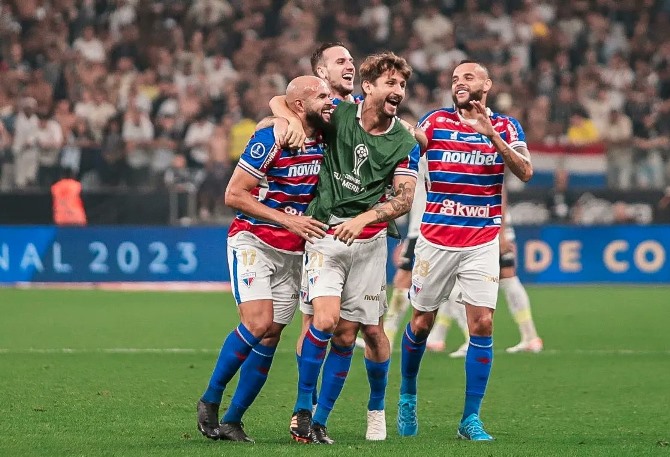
[347, 97]
[466, 113]
[372, 122]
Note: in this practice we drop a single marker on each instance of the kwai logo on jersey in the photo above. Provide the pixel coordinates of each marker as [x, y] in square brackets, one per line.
[361, 154]
[248, 278]
[305, 169]
[452, 208]
[475, 157]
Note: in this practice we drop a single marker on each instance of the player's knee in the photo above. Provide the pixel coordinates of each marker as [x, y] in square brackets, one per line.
[258, 327]
[482, 325]
[422, 323]
[326, 322]
[374, 335]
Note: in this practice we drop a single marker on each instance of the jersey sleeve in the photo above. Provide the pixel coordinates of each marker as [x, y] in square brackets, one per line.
[427, 124]
[260, 153]
[410, 165]
[515, 134]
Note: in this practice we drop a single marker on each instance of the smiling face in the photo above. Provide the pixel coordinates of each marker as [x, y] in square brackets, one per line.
[338, 70]
[469, 82]
[386, 92]
[318, 105]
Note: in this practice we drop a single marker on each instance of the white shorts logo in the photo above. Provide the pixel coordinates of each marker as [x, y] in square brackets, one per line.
[248, 278]
[360, 156]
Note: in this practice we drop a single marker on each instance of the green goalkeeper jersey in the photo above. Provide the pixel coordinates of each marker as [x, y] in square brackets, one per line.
[358, 167]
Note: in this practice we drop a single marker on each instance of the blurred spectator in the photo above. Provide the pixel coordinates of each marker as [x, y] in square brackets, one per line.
[6, 158]
[196, 141]
[582, 130]
[166, 141]
[68, 208]
[113, 165]
[618, 135]
[89, 46]
[23, 147]
[560, 202]
[47, 139]
[138, 135]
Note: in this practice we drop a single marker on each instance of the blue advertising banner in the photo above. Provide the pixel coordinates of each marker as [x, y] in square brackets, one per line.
[603, 254]
[112, 254]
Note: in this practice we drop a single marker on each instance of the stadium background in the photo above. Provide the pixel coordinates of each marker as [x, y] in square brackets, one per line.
[155, 101]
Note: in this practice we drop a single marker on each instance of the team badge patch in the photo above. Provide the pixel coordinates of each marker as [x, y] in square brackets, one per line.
[416, 287]
[248, 278]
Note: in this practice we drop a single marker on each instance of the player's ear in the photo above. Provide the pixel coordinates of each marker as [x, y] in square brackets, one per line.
[366, 86]
[321, 72]
[487, 85]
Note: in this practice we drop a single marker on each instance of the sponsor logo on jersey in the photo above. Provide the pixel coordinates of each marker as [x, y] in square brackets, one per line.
[305, 169]
[369, 297]
[452, 208]
[425, 125]
[257, 150]
[475, 157]
[248, 278]
[361, 154]
[271, 156]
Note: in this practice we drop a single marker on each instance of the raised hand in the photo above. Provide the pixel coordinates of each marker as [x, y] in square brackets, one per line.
[481, 122]
[295, 135]
[348, 231]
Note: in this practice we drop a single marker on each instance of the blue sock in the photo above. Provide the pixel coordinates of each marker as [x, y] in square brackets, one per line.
[234, 352]
[377, 378]
[312, 354]
[253, 375]
[412, 352]
[315, 391]
[335, 371]
[477, 370]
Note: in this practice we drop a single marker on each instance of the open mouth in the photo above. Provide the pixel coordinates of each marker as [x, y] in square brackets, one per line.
[348, 77]
[462, 92]
[393, 101]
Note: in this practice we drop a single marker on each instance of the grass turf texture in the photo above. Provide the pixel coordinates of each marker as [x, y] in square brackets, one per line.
[601, 388]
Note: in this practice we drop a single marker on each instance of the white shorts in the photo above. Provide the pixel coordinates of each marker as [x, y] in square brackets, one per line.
[261, 272]
[436, 271]
[356, 274]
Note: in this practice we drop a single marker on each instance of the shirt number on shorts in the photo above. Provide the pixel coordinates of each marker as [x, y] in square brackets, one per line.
[248, 257]
[421, 267]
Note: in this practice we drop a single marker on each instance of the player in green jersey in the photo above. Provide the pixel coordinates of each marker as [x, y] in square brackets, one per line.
[368, 152]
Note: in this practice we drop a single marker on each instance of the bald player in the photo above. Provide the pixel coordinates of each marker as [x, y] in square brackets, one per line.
[266, 242]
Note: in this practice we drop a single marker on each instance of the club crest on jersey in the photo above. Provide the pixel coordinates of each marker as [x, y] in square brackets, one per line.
[248, 278]
[361, 154]
[257, 150]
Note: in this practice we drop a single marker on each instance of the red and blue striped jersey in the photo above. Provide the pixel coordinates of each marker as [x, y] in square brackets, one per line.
[465, 179]
[288, 182]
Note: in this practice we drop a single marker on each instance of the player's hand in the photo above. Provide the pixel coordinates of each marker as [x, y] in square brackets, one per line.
[505, 246]
[295, 135]
[348, 231]
[481, 122]
[305, 227]
[280, 130]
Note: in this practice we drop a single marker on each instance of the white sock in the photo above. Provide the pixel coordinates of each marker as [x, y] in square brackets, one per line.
[457, 312]
[438, 333]
[397, 309]
[519, 306]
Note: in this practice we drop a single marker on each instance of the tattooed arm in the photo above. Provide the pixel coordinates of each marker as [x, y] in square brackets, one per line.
[400, 204]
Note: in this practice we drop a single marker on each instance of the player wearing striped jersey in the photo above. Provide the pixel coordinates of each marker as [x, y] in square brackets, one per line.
[468, 150]
[270, 188]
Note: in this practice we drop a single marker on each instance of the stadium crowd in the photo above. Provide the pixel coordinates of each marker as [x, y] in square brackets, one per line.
[153, 93]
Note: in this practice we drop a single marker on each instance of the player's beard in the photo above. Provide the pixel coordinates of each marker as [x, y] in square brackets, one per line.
[316, 120]
[476, 96]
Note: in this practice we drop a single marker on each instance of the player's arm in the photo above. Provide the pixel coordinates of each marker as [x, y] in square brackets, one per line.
[395, 207]
[295, 134]
[238, 196]
[504, 243]
[279, 128]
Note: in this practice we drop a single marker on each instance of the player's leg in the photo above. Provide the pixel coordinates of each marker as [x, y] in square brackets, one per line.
[402, 280]
[479, 291]
[436, 341]
[335, 370]
[377, 362]
[432, 280]
[325, 276]
[254, 372]
[456, 312]
[250, 269]
[518, 304]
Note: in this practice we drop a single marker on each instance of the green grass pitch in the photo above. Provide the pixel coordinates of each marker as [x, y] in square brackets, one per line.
[93, 373]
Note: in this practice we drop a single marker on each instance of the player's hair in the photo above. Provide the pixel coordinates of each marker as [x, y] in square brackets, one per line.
[376, 65]
[480, 65]
[317, 55]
